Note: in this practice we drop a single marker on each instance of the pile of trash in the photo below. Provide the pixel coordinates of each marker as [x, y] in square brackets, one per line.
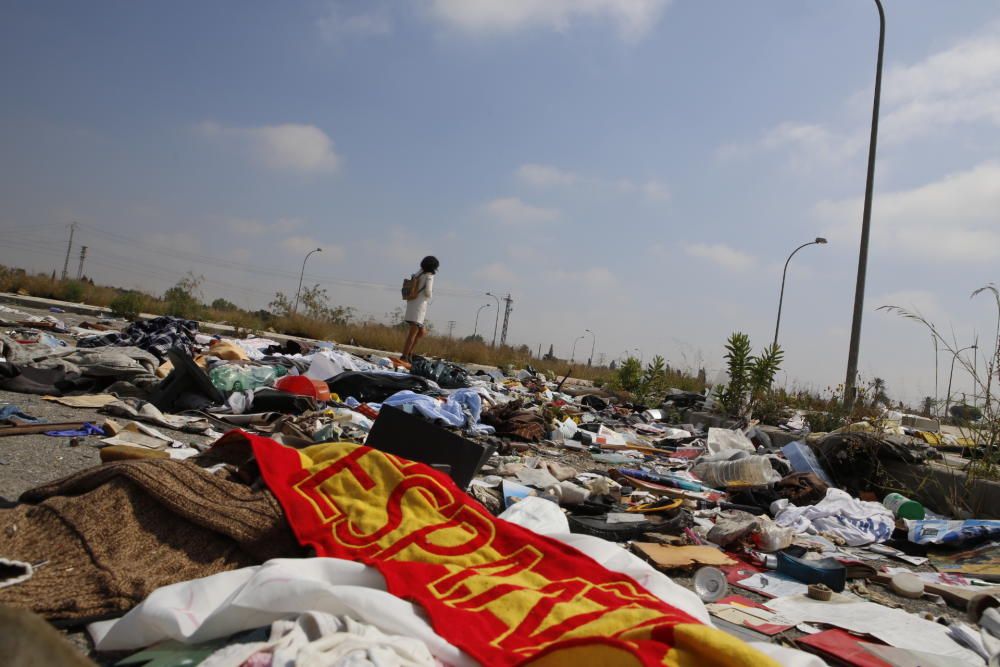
[355, 510]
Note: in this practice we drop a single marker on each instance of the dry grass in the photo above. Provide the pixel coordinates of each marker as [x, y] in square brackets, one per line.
[372, 335]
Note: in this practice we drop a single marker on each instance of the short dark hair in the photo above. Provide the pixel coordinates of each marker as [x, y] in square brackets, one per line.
[429, 264]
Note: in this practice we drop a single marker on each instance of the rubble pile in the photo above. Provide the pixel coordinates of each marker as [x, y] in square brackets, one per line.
[429, 513]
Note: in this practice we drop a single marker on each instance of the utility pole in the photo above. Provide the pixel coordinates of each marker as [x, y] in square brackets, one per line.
[69, 248]
[506, 318]
[83, 256]
[850, 390]
[451, 327]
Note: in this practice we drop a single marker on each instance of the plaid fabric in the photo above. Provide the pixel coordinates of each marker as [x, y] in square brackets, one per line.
[157, 336]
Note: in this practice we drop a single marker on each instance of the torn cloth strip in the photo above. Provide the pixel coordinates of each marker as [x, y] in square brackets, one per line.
[500, 592]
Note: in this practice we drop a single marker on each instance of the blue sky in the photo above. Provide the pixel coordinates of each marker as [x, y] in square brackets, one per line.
[638, 167]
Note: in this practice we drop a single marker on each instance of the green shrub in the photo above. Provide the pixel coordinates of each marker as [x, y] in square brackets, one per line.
[72, 290]
[128, 305]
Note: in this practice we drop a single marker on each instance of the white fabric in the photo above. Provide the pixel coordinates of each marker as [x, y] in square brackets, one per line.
[229, 602]
[222, 604]
[856, 521]
[327, 363]
[416, 309]
[316, 639]
[542, 516]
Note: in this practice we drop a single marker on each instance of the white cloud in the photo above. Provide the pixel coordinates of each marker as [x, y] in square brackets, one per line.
[497, 273]
[721, 255]
[300, 245]
[524, 253]
[652, 189]
[597, 277]
[807, 143]
[246, 226]
[954, 218]
[513, 211]
[400, 246]
[251, 227]
[958, 85]
[919, 301]
[542, 175]
[633, 18]
[289, 146]
[335, 25]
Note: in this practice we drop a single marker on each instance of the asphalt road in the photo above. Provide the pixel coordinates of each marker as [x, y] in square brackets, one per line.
[27, 461]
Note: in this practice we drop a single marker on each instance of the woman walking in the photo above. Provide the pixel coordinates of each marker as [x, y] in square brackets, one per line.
[416, 303]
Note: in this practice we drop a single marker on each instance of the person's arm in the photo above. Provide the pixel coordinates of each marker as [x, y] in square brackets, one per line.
[429, 285]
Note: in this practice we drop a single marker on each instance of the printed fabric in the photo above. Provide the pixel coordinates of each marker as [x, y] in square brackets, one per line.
[857, 522]
[157, 336]
[500, 592]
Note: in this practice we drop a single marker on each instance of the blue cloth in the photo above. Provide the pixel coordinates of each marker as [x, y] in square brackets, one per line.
[8, 411]
[936, 531]
[88, 429]
[462, 409]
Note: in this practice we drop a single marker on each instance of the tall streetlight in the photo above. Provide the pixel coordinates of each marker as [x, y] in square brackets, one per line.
[475, 329]
[819, 241]
[947, 399]
[295, 308]
[850, 390]
[934, 338]
[572, 356]
[497, 321]
[593, 344]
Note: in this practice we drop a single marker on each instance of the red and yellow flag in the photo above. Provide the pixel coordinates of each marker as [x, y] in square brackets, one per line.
[502, 593]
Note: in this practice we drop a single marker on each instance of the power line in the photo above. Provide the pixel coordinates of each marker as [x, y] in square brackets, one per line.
[218, 262]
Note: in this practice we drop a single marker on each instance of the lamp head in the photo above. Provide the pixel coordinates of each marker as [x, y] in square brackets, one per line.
[820, 240]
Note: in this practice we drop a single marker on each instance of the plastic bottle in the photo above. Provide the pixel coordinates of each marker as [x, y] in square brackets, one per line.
[753, 470]
[234, 377]
[904, 508]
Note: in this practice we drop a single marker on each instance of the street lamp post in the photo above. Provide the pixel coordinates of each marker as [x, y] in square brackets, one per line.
[295, 308]
[934, 338]
[572, 356]
[947, 399]
[475, 329]
[497, 321]
[819, 241]
[850, 390]
[593, 344]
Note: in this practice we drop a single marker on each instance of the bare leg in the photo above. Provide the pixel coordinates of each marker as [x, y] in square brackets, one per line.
[411, 341]
[419, 333]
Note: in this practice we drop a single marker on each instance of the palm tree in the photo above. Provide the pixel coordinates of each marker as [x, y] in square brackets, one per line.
[878, 393]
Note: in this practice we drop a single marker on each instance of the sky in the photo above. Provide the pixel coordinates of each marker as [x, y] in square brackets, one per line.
[639, 168]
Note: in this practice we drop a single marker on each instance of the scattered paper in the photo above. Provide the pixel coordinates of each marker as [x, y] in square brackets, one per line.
[893, 626]
[773, 585]
[87, 401]
[884, 550]
[668, 557]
